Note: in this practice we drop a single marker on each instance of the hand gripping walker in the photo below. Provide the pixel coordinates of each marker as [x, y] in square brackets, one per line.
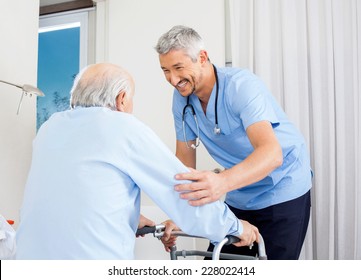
[158, 232]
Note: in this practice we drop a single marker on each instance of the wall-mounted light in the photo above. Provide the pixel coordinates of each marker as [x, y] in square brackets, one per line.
[27, 89]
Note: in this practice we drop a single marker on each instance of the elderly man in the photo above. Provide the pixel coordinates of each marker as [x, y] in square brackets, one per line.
[89, 165]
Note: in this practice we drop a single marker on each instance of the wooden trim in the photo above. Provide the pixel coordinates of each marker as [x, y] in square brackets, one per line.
[66, 6]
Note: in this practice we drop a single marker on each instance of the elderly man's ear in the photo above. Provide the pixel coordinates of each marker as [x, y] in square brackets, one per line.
[121, 102]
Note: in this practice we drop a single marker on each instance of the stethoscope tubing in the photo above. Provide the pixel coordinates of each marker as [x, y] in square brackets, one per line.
[217, 130]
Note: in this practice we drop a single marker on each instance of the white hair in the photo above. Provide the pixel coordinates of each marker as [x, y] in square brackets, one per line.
[101, 88]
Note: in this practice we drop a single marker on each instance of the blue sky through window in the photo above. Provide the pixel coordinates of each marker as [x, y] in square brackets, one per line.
[58, 63]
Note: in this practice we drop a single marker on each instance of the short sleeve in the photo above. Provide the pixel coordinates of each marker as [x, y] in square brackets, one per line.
[250, 100]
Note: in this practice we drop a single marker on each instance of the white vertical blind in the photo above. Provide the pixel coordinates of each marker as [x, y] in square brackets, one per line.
[309, 54]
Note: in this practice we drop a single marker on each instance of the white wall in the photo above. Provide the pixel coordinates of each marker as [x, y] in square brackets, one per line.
[18, 64]
[129, 30]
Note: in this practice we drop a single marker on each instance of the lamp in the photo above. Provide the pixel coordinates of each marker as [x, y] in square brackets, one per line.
[26, 89]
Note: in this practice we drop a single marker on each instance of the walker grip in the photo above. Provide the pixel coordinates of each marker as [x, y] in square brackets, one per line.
[145, 230]
[232, 239]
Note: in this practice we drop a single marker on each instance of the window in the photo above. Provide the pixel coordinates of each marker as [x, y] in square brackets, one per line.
[63, 50]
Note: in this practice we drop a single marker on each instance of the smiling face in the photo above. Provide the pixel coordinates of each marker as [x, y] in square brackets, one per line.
[181, 72]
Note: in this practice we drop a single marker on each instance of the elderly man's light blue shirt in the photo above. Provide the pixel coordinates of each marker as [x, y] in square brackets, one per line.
[242, 101]
[82, 197]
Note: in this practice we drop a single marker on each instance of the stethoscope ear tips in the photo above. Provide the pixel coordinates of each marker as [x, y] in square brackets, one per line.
[193, 146]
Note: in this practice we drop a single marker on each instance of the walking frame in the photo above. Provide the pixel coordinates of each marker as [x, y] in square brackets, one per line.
[158, 232]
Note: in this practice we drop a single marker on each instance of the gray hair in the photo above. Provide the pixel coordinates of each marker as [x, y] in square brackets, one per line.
[101, 87]
[181, 38]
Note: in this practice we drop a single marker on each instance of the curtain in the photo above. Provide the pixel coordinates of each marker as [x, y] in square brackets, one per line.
[309, 54]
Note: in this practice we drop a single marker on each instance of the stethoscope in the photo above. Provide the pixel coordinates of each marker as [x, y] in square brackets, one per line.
[216, 129]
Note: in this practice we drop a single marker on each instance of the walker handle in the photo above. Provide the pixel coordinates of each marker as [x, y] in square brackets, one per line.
[145, 230]
[232, 239]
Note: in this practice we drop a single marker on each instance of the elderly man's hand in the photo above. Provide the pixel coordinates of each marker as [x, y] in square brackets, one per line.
[143, 221]
[250, 234]
[168, 239]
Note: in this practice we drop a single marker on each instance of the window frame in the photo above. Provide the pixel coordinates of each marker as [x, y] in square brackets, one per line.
[66, 20]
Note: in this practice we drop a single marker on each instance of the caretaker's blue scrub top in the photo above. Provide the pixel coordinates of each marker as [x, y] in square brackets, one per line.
[242, 101]
[82, 196]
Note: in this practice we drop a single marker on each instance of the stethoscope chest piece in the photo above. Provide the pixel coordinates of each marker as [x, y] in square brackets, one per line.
[217, 130]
